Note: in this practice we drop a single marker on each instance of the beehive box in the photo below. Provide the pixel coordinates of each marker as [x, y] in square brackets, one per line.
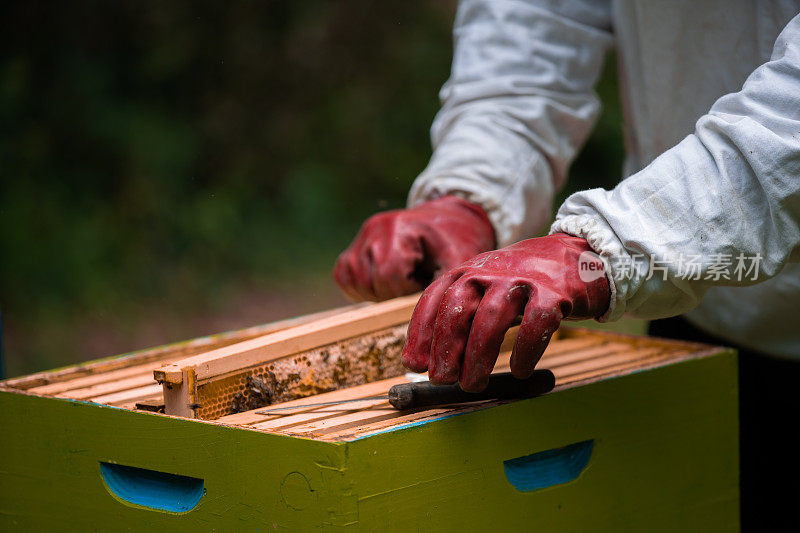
[639, 434]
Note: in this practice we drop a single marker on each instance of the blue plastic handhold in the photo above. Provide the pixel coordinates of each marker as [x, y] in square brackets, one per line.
[158, 491]
[548, 468]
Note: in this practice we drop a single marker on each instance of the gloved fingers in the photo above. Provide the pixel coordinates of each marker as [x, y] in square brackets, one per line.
[392, 285]
[351, 271]
[417, 351]
[393, 267]
[541, 319]
[361, 267]
[343, 276]
[496, 313]
[452, 328]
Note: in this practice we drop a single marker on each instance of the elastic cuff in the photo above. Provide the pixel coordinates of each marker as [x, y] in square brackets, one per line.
[601, 240]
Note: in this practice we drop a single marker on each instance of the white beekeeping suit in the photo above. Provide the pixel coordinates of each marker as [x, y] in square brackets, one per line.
[711, 94]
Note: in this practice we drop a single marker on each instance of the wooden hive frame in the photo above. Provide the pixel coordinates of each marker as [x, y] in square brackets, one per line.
[312, 357]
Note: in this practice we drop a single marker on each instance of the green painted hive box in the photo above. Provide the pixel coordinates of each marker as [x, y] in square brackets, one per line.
[638, 435]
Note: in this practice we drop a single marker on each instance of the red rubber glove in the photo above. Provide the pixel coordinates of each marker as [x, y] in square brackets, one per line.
[399, 252]
[461, 319]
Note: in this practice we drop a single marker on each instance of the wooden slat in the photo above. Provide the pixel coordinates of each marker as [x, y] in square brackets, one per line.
[571, 345]
[600, 363]
[322, 413]
[291, 341]
[372, 422]
[61, 387]
[138, 393]
[563, 358]
[596, 374]
[361, 391]
[110, 387]
[374, 427]
[338, 423]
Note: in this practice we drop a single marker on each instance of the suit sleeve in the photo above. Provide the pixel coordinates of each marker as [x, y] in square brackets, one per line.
[720, 208]
[518, 105]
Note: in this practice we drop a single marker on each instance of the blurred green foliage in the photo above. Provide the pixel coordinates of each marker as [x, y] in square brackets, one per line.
[170, 155]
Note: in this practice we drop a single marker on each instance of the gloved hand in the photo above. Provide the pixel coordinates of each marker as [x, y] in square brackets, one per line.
[399, 252]
[460, 321]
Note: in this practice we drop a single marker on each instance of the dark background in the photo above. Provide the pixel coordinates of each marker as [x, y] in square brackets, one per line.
[174, 169]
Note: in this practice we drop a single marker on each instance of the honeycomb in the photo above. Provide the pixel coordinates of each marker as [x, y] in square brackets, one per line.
[338, 365]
